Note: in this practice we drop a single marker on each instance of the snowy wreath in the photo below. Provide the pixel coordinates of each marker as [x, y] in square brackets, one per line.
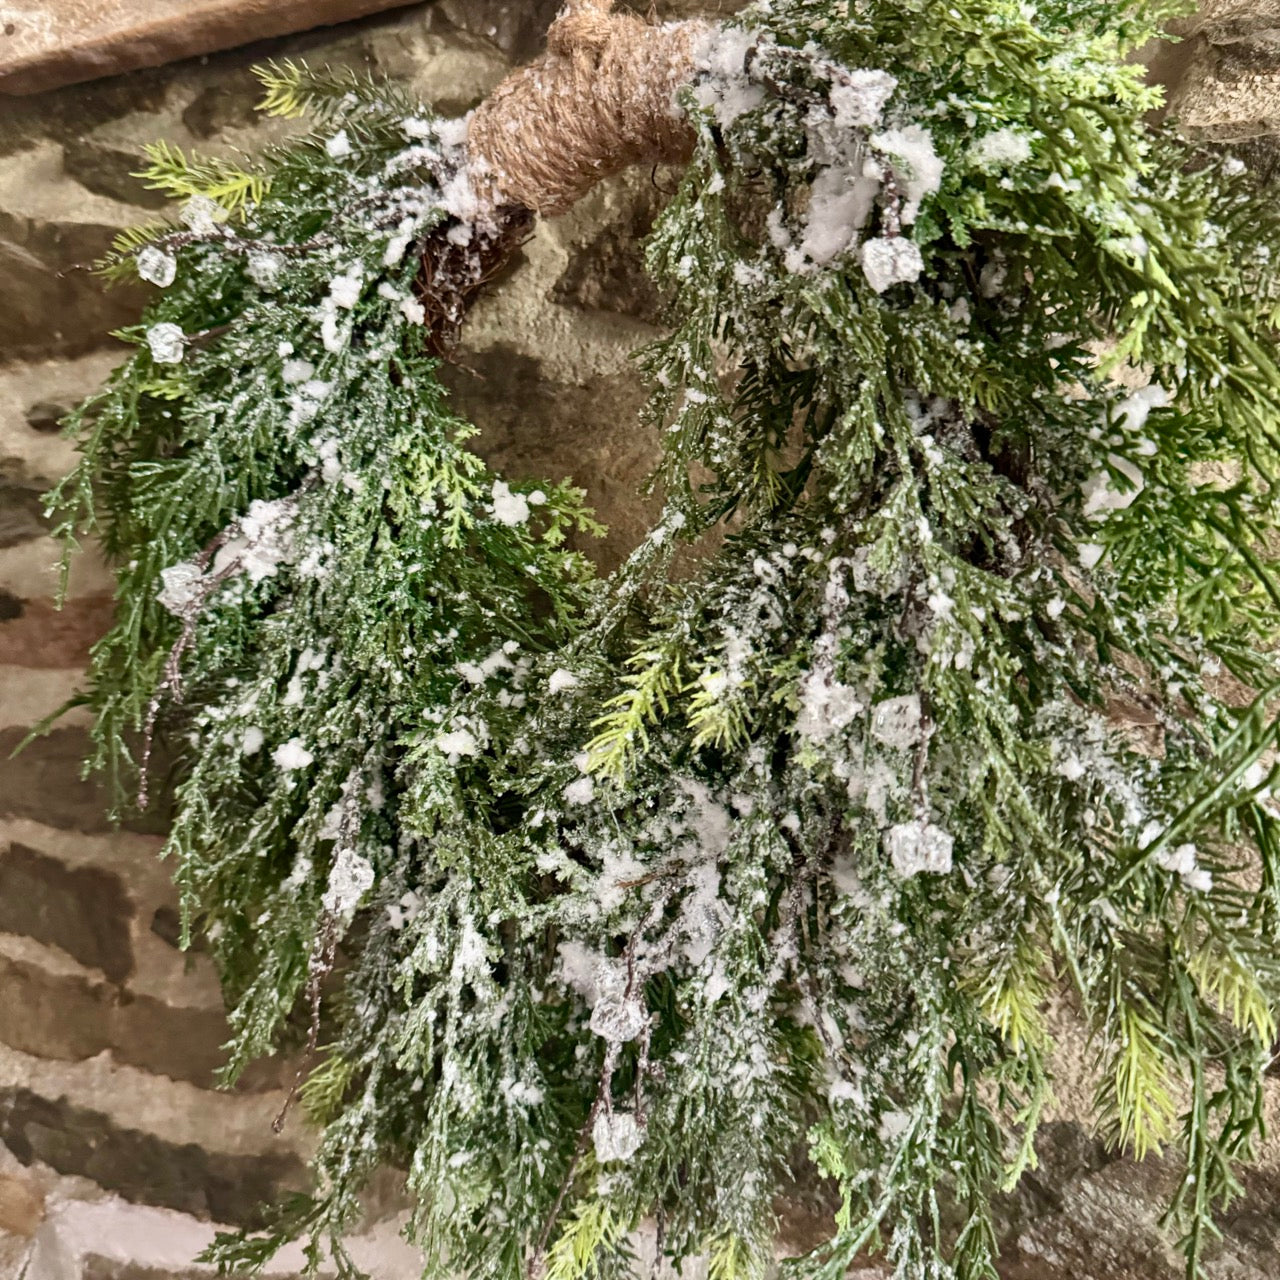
[670, 896]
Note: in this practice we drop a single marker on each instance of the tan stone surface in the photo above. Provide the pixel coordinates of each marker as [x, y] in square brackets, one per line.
[21, 1205]
[48, 43]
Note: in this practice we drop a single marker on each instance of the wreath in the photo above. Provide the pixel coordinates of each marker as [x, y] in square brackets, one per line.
[938, 698]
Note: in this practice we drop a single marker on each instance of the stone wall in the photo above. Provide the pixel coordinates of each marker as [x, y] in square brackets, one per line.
[116, 1154]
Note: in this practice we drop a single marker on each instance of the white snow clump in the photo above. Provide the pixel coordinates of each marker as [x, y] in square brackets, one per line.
[890, 260]
[509, 508]
[263, 542]
[458, 743]
[561, 680]
[1000, 149]
[915, 164]
[1101, 497]
[291, 755]
[349, 880]
[859, 102]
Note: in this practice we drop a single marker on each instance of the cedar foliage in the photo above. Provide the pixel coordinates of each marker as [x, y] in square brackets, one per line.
[642, 886]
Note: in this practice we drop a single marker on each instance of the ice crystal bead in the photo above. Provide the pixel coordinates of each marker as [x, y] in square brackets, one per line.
[616, 1135]
[156, 267]
[896, 722]
[918, 846]
[351, 878]
[167, 343]
[618, 1020]
[181, 587]
[202, 215]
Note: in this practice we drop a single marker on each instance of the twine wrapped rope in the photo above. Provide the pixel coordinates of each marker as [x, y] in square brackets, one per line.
[600, 99]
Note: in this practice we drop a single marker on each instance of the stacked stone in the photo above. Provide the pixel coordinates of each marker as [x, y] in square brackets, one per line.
[1223, 78]
[117, 1156]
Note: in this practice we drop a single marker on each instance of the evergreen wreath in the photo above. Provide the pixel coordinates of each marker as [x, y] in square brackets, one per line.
[644, 896]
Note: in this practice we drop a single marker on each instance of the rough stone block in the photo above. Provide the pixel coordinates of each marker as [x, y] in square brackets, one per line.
[54, 303]
[43, 782]
[60, 43]
[35, 634]
[517, 27]
[143, 1167]
[83, 910]
[69, 1015]
[21, 512]
[21, 1206]
[531, 426]
[109, 171]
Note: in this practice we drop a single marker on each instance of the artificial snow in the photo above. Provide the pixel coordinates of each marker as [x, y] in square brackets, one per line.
[859, 101]
[251, 742]
[1132, 412]
[509, 508]
[893, 1124]
[580, 790]
[339, 145]
[478, 672]
[1181, 861]
[263, 542]
[725, 87]
[156, 267]
[292, 755]
[264, 269]
[1000, 149]
[890, 260]
[167, 343]
[344, 289]
[840, 201]
[592, 975]
[294, 371]
[616, 1136]
[915, 163]
[918, 846]
[1089, 553]
[561, 680]
[350, 879]
[458, 743]
[1101, 497]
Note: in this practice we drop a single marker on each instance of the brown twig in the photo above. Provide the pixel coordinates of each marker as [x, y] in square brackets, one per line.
[323, 950]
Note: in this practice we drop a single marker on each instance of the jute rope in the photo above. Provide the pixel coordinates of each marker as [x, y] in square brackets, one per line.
[599, 100]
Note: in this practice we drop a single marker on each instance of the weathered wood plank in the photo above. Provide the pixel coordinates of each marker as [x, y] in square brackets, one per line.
[48, 43]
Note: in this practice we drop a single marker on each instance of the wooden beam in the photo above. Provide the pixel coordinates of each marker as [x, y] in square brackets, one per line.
[48, 43]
